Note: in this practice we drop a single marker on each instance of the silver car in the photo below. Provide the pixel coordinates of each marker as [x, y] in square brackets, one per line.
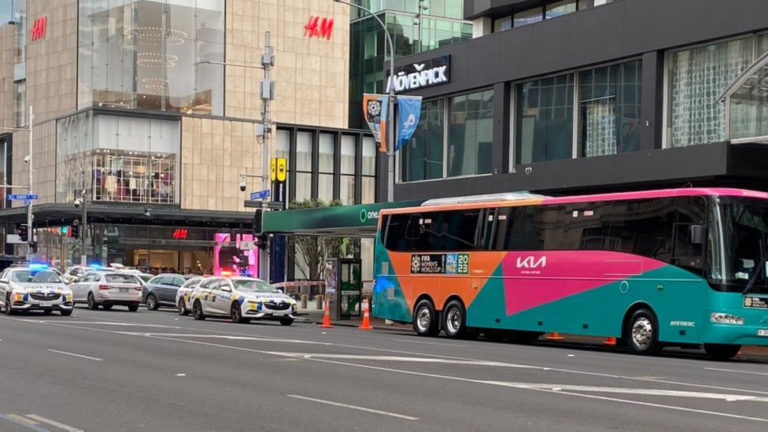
[30, 288]
[107, 289]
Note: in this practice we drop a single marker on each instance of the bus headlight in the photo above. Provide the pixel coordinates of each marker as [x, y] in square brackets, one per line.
[724, 318]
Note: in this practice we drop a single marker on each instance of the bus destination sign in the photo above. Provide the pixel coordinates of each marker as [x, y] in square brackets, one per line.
[456, 263]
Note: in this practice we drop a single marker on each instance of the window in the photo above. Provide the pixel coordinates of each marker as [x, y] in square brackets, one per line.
[368, 187]
[527, 17]
[501, 24]
[584, 4]
[609, 109]
[454, 230]
[303, 166]
[283, 143]
[20, 113]
[560, 8]
[545, 119]
[470, 134]
[422, 156]
[748, 105]
[347, 169]
[325, 167]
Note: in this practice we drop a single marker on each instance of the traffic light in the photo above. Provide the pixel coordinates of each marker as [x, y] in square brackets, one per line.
[257, 225]
[21, 229]
[263, 241]
[74, 231]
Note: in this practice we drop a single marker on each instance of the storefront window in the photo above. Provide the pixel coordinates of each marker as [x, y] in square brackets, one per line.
[368, 188]
[560, 8]
[304, 151]
[422, 157]
[544, 119]
[527, 17]
[347, 185]
[470, 134]
[152, 55]
[609, 109]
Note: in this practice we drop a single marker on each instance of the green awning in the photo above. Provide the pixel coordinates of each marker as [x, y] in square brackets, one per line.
[339, 220]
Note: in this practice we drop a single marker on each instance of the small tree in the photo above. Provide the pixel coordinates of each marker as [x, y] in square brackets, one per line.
[314, 251]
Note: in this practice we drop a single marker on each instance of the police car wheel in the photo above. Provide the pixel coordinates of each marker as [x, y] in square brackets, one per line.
[92, 302]
[237, 314]
[8, 310]
[197, 311]
[286, 321]
[183, 308]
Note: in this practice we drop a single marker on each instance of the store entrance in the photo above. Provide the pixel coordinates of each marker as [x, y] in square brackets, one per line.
[157, 261]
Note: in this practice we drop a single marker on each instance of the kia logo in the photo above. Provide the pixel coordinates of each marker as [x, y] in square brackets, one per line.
[531, 262]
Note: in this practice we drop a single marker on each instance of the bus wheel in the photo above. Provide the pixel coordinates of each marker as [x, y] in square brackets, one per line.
[455, 320]
[425, 321]
[721, 351]
[642, 332]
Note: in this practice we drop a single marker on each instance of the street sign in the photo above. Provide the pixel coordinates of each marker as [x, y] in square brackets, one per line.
[247, 245]
[272, 205]
[260, 195]
[17, 197]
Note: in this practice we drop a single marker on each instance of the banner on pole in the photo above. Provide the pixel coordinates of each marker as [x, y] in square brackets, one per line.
[408, 114]
[375, 111]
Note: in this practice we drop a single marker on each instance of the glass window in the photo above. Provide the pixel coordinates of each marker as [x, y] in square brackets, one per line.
[368, 191]
[584, 4]
[304, 151]
[20, 113]
[697, 76]
[560, 8]
[283, 143]
[303, 186]
[748, 105]
[501, 24]
[325, 153]
[347, 154]
[545, 119]
[527, 17]
[347, 190]
[422, 157]
[369, 156]
[470, 134]
[609, 109]
[325, 187]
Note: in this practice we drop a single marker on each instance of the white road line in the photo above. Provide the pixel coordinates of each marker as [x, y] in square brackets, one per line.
[422, 342]
[75, 355]
[359, 408]
[737, 371]
[399, 359]
[19, 420]
[59, 425]
[227, 337]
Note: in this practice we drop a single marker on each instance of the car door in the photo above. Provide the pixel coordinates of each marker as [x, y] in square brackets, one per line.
[79, 288]
[3, 285]
[213, 298]
[169, 287]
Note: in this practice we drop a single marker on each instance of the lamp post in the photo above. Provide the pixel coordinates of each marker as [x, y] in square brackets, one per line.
[83, 202]
[391, 112]
[28, 161]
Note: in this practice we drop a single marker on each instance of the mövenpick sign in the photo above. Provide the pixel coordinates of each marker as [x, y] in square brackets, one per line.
[428, 73]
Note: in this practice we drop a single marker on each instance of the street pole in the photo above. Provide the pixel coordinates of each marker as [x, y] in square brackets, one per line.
[267, 95]
[392, 101]
[84, 230]
[30, 229]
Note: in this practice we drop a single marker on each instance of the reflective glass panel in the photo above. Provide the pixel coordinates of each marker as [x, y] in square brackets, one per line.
[527, 17]
[560, 8]
[470, 134]
[544, 119]
[347, 154]
[422, 156]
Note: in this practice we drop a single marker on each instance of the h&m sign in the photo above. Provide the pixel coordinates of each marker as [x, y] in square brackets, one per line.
[38, 28]
[424, 74]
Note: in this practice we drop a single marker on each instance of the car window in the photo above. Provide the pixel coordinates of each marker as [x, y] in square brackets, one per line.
[46, 276]
[178, 281]
[225, 283]
[157, 280]
[191, 283]
[120, 278]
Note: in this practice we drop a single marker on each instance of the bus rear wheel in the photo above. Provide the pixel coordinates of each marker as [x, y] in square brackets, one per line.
[425, 321]
[642, 332]
[455, 320]
[721, 351]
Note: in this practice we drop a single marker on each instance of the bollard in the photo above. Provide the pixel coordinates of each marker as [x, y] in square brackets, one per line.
[303, 301]
[319, 300]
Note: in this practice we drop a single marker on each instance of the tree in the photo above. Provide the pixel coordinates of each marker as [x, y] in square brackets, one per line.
[313, 251]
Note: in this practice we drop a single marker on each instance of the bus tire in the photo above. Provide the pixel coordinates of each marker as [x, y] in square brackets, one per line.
[642, 333]
[721, 352]
[425, 322]
[455, 320]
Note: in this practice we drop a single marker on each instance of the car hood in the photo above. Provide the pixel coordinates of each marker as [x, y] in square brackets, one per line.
[266, 296]
[43, 288]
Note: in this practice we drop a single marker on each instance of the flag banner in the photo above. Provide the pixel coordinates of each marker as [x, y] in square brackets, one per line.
[375, 108]
[408, 114]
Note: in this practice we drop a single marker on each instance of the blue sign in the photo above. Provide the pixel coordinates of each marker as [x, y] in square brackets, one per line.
[16, 197]
[408, 113]
[260, 195]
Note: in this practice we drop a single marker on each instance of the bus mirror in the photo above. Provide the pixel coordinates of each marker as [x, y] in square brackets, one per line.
[696, 234]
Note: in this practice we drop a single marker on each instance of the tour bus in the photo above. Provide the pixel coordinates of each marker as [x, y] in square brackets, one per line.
[653, 268]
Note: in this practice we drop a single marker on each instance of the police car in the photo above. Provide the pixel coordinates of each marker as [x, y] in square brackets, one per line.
[241, 299]
[34, 288]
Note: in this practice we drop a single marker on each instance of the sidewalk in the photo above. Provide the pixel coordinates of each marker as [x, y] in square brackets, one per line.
[313, 315]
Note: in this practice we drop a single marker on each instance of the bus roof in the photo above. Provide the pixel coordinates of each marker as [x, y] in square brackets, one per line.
[618, 196]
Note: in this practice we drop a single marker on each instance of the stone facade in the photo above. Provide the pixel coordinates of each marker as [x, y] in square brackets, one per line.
[7, 90]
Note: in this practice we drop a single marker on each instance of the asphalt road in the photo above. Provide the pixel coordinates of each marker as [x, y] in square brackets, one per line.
[155, 371]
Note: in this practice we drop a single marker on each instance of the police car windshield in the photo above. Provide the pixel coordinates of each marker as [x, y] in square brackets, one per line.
[253, 285]
[45, 276]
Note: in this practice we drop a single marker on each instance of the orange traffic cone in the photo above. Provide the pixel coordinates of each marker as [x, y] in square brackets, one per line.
[327, 316]
[366, 325]
[610, 341]
[553, 336]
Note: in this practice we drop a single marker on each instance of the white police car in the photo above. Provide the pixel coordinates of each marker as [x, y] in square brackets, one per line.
[34, 288]
[241, 299]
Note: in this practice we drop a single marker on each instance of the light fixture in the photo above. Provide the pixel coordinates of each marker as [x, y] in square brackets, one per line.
[147, 211]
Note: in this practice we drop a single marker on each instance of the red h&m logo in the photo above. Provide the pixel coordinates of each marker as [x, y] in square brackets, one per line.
[38, 28]
[316, 27]
[180, 234]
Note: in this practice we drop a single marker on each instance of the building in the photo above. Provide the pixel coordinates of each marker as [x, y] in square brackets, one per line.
[563, 97]
[149, 111]
[415, 26]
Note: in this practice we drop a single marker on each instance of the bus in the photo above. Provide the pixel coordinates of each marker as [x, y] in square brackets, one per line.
[653, 268]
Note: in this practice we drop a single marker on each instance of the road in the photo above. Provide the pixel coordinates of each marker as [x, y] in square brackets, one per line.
[156, 371]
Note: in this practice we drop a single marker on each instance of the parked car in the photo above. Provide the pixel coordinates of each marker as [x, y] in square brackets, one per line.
[74, 272]
[30, 288]
[241, 299]
[161, 290]
[183, 293]
[107, 289]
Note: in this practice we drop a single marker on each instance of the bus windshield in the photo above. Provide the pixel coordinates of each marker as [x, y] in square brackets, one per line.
[745, 245]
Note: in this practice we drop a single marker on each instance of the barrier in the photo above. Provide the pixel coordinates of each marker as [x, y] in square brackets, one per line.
[366, 324]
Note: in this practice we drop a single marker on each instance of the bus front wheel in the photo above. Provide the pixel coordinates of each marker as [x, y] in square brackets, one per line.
[642, 332]
[721, 351]
[425, 322]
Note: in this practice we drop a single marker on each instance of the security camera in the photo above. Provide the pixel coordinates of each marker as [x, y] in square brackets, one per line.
[242, 186]
[147, 211]
[26, 159]
[78, 202]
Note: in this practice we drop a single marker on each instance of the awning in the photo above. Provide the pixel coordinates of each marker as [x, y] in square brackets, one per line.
[354, 220]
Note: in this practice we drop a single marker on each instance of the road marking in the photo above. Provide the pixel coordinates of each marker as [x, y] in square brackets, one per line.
[359, 408]
[421, 342]
[75, 355]
[398, 359]
[227, 337]
[25, 422]
[59, 425]
[737, 371]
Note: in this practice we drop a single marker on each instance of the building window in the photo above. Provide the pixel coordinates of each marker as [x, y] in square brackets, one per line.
[368, 188]
[527, 17]
[422, 156]
[20, 111]
[748, 104]
[283, 144]
[325, 167]
[152, 55]
[609, 109]
[501, 24]
[584, 4]
[545, 119]
[347, 170]
[303, 166]
[560, 8]
[470, 134]
[697, 76]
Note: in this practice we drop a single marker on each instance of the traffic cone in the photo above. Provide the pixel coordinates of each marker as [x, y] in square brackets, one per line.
[366, 325]
[610, 341]
[327, 316]
[553, 336]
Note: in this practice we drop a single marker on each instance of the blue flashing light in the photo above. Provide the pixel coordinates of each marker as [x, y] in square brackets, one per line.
[95, 265]
[38, 267]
